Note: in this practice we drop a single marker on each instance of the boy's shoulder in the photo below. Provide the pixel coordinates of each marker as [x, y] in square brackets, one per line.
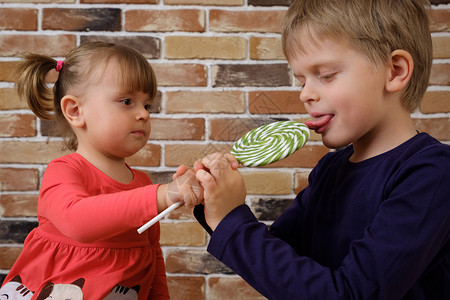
[420, 147]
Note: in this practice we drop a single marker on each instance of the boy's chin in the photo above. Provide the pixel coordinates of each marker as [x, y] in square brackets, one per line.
[333, 142]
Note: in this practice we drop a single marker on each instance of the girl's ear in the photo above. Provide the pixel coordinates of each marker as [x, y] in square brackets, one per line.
[71, 108]
[400, 70]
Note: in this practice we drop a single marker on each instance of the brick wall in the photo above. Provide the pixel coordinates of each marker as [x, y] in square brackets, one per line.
[220, 71]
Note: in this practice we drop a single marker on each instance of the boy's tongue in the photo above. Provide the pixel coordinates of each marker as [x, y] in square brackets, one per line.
[318, 122]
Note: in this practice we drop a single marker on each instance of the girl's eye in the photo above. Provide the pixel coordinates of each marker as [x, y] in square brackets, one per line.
[148, 107]
[126, 101]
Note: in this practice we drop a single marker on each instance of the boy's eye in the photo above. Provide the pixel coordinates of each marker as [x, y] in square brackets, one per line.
[300, 84]
[327, 77]
[148, 107]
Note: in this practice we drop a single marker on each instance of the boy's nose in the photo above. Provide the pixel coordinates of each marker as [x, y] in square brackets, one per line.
[308, 94]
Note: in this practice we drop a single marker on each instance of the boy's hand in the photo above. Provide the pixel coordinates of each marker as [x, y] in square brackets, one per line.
[223, 185]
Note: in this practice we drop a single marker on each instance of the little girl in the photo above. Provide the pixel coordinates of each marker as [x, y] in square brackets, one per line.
[91, 202]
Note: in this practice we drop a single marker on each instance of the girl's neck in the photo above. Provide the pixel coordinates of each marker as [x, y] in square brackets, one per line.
[115, 168]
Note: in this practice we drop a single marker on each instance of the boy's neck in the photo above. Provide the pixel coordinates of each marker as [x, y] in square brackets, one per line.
[396, 130]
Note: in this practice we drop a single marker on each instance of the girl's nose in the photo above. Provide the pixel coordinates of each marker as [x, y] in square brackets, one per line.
[142, 114]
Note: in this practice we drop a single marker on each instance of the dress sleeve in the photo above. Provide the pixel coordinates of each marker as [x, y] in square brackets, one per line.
[65, 202]
[409, 234]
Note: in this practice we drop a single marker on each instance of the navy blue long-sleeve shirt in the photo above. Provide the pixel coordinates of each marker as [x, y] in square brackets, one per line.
[378, 229]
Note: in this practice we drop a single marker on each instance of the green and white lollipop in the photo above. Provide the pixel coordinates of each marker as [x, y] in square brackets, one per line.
[270, 143]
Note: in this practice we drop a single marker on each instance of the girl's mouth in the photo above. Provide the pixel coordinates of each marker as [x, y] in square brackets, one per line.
[320, 123]
[139, 132]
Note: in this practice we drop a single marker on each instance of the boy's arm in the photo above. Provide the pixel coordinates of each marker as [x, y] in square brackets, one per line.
[408, 235]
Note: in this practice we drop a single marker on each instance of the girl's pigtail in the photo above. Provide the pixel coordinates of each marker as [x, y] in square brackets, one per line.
[32, 86]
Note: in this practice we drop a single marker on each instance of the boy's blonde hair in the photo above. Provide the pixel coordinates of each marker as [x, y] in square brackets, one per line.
[83, 66]
[375, 27]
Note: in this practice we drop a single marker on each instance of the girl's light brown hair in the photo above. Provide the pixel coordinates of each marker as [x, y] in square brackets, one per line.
[375, 27]
[83, 66]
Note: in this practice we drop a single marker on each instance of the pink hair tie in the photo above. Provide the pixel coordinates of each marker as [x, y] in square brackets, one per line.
[59, 65]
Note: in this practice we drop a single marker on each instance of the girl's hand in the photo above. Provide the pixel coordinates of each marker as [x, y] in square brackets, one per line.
[184, 187]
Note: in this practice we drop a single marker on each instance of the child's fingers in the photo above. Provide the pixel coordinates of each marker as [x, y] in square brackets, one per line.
[232, 160]
[206, 180]
[198, 165]
[180, 171]
[217, 163]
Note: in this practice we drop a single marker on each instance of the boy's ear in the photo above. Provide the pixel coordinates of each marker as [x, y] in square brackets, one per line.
[71, 108]
[400, 70]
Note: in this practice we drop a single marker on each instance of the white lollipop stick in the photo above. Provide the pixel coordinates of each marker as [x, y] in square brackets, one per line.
[159, 217]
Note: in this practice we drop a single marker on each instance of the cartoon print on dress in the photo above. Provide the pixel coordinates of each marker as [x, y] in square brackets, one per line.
[15, 290]
[120, 292]
[62, 291]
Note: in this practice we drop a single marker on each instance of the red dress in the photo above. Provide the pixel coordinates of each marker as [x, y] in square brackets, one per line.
[87, 237]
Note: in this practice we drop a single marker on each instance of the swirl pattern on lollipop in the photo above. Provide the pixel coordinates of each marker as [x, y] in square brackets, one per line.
[270, 143]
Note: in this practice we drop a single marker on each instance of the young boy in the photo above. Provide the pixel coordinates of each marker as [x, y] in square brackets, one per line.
[374, 222]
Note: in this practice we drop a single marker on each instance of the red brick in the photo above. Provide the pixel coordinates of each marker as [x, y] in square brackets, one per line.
[301, 181]
[436, 102]
[121, 1]
[13, 179]
[8, 256]
[149, 156]
[193, 261]
[275, 102]
[439, 128]
[440, 74]
[266, 48]
[6, 68]
[242, 21]
[193, 47]
[225, 288]
[30, 152]
[52, 45]
[190, 20]
[181, 154]
[306, 157]
[186, 288]
[231, 129]
[267, 182]
[182, 234]
[440, 20]
[239, 75]
[441, 47]
[18, 19]
[150, 47]
[17, 125]
[180, 74]
[204, 2]
[17, 205]
[177, 129]
[205, 102]
[74, 19]
[10, 100]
